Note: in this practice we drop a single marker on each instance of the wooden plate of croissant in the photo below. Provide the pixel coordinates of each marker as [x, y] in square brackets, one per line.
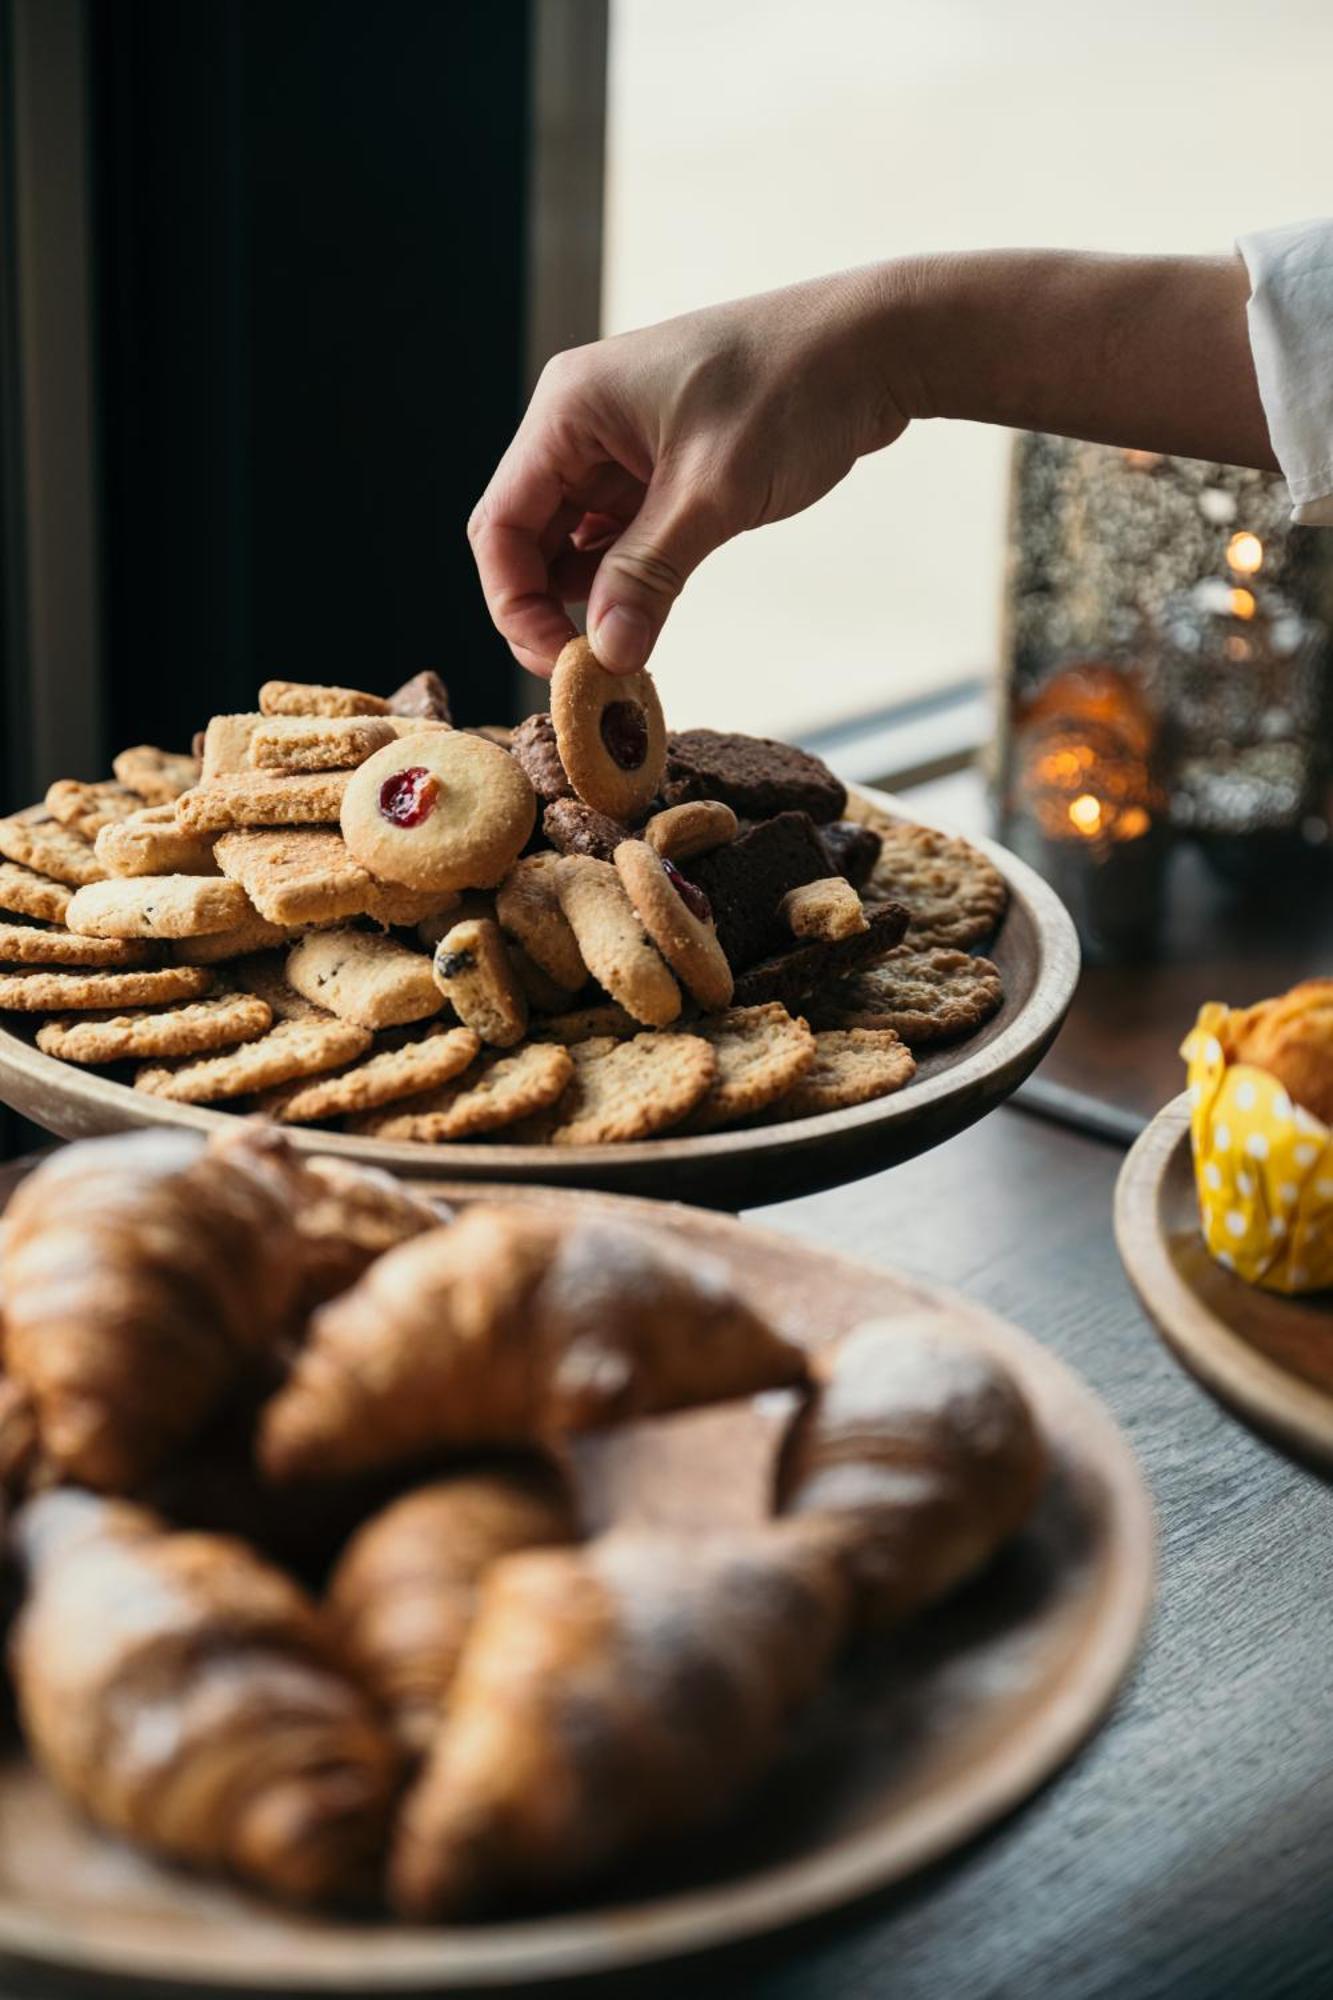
[411, 1596]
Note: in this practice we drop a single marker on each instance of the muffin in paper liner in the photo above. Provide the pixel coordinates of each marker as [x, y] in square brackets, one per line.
[1263, 1167]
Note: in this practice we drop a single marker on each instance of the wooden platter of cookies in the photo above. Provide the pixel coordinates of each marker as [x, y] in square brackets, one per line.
[922, 1738]
[1268, 1357]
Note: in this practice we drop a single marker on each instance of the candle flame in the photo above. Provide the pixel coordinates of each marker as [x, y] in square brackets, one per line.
[1241, 603]
[1132, 822]
[1245, 554]
[1085, 813]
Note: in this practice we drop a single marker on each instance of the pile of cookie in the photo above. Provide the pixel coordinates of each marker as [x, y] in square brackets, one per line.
[585, 930]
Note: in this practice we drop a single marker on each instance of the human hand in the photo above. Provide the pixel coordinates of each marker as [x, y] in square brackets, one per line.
[640, 455]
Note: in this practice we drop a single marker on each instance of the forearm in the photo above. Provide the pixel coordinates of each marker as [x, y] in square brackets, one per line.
[1148, 352]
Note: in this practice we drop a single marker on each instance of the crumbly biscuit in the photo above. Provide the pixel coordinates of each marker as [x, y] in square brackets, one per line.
[290, 1049]
[88, 808]
[851, 1066]
[150, 842]
[953, 894]
[262, 798]
[411, 1062]
[629, 1090]
[305, 875]
[755, 776]
[827, 909]
[610, 732]
[678, 919]
[35, 839]
[308, 698]
[762, 1053]
[264, 974]
[924, 996]
[527, 906]
[573, 828]
[56, 992]
[424, 698]
[318, 742]
[680, 832]
[439, 810]
[581, 1024]
[158, 776]
[194, 1027]
[158, 906]
[364, 977]
[501, 1090]
[25, 944]
[473, 972]
[796, 975]
[620, 957]
[533, 745]
[255, 934]
[28, 894]
[227, 746]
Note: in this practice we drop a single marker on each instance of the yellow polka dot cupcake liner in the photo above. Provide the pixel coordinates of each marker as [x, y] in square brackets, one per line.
[1263, 1165]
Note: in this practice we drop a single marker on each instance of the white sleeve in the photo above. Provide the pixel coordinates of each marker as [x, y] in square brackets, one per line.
[1291, 337]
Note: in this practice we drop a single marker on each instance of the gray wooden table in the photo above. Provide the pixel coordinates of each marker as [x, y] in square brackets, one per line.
[1189, 1850]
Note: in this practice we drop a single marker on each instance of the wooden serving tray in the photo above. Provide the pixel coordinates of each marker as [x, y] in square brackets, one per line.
[1036, 950]
[1268, 1357]
[918, 1744]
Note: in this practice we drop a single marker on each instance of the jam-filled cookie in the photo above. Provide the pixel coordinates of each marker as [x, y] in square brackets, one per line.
[441, 810]
[677, 918]
[610, 732]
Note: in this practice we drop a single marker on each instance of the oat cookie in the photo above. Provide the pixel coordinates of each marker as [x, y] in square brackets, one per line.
[318, 742]
[439, 810]
[194, 1027]
[851, 1066]
[679, 920]
[573, 828]
[528, 908]
[610, 732]
[263, 798]
[264, 974]
[158, 906]
[158, 776]
[54, 992]
[795, 976]
[473, 972]
[290, 1049]
[255, 934]
[88, 808]
[762, 1053]
[424, 698]
[31, 895]
[308, 698]
[150, 842]
[408, 1063]
[827, 909]
[580, 1024]
[683, 831]
[755, 776]
[953, 894]
[227, 746]
[365, 977]
[629, 1090]
[620, 957]
[924, 996]
[501, 1090]
[25, 944]
[35, 839]
[533, 745]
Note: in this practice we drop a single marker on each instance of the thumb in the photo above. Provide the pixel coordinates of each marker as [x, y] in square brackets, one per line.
[643, 573]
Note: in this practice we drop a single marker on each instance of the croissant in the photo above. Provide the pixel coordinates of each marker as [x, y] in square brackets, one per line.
[144, 1274]
[915, 1459]
[508, 1328]
[187, 1697]
[403, 1594]
[606, 1696]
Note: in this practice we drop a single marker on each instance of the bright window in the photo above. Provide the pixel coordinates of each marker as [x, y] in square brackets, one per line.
[752, 142]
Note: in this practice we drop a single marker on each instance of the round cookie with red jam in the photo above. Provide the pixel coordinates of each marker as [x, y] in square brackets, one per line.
[441, 810]
[679, 921]
[610, 733]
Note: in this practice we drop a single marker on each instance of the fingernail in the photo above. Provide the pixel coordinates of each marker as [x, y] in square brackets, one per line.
[622, 639]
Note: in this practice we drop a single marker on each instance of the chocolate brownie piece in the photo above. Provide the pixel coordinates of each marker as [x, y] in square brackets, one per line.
[852, 848]
[754, 776]
[573, 828]
[425, 696]
[533, 746]
[746, 880]
[795, 976]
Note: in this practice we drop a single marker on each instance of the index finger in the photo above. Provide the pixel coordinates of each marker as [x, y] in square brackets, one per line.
[506, 532]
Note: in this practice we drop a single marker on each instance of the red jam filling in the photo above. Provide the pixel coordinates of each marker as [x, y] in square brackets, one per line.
[690, 894]
[408, 797]
[625, 733]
